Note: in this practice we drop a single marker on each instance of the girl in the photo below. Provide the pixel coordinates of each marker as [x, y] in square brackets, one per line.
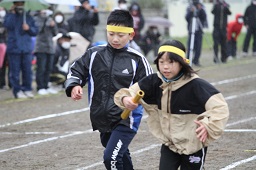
[186, 113]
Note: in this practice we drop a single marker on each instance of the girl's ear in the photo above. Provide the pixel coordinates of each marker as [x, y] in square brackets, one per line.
[132, 35]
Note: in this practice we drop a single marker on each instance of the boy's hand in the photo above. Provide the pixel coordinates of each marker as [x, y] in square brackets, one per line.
[201, 131]
[76, 93]
[129, 104]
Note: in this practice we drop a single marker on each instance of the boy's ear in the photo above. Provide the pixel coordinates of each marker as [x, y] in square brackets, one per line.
[132, 35]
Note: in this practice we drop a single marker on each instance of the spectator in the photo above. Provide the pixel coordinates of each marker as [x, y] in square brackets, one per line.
[249, 22]
[151, 40]
[44, 50]
[220, 11]
[84, 20]
[19, 49]
[107, 69]
[3, 57]
[196, 11]
[122, 4]
[138, 20]
[61, 60]
[233, 30]
[62, 25]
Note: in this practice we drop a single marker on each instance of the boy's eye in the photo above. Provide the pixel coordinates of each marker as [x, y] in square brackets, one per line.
[120, 35]
[111, 33]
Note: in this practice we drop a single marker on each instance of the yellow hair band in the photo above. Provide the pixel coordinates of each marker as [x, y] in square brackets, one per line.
[175, 50]
[115, 28]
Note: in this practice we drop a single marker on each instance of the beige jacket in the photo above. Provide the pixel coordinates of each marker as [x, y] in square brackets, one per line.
[177, 131]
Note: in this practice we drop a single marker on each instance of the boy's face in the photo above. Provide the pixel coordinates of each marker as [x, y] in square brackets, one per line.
[118, 39]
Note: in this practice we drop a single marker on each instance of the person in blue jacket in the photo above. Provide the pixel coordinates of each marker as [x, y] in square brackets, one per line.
[21, 28]
[108, 68]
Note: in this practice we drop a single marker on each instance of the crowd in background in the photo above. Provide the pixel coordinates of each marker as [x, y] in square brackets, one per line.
[224, 33]
[25, 36]
[30, 38]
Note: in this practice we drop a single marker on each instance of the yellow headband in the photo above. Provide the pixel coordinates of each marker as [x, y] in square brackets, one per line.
[119, 29]
[175, 50]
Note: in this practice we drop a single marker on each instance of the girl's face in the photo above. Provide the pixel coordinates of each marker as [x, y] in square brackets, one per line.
[169, 69]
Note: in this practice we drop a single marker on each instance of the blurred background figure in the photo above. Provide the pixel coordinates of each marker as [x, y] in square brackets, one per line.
[233, 31]
[19, 49]
[44, 50]
[3, 57]
[61, 23]
[138, 21]
[220, 11]
[250, 23]
[151, 40]
[61, 60]
[84, 20]
[121, 4]
[195, 10]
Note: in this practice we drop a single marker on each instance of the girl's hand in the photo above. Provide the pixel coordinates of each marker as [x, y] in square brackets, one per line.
[128, 103]
[201, 131]
[76, 93]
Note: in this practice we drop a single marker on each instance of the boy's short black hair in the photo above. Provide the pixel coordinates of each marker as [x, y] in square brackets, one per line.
[120, 17]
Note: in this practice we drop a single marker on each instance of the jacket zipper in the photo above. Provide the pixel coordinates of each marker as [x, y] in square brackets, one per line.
[169, 100]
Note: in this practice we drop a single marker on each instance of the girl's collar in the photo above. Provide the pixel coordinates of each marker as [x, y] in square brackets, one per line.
[173, 79]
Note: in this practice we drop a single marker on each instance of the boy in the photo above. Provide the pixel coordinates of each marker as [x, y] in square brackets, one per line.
[107, 69]
[186, 113]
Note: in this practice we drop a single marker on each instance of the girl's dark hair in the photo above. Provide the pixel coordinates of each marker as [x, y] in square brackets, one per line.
[187, 70]
[120, 17]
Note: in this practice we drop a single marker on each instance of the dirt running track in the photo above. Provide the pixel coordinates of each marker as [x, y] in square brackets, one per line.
[54, 133]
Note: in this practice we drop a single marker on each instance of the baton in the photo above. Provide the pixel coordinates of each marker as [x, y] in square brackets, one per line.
[126, 112]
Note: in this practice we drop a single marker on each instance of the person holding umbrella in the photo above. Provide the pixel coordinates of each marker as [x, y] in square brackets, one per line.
[20, 27]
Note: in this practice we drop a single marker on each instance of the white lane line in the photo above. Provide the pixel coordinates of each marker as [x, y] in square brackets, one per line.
[240, 95]
[233, 80]
[241, 121]
[132, 153]
[240, 130]
[235, 164]
[45, 117]
[46, 140]
[36, 133]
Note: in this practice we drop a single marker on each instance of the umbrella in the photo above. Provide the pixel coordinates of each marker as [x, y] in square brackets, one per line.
[158, 21]
[32, 5]
[78, 45]
[64, 2]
